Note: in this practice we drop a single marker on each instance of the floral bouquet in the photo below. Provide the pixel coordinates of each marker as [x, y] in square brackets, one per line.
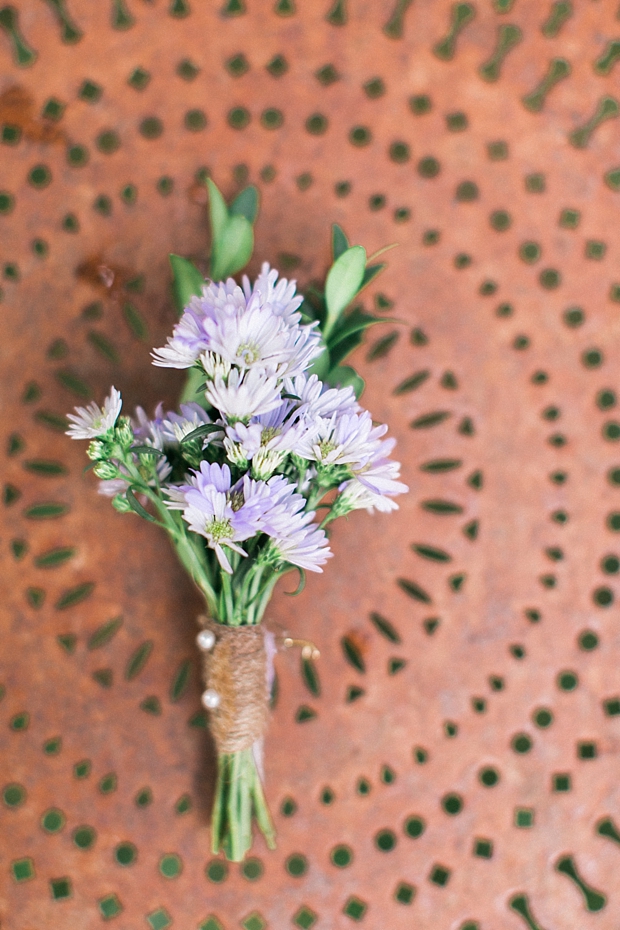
[269, 446]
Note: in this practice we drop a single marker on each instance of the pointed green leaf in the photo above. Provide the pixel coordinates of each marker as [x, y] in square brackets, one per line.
[200, 431]
[371, 273]
[321, 365]
[344, 280]
[147, 450]
[135, 505]
[187, 281]
[344, 347]
[194, 385]
[340, 243]
[218, 212]
[232, 249]
[246, 204]
[343, 376]
[355, 321]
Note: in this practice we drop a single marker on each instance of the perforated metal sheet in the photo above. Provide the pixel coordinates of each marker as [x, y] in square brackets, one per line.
[459, 767]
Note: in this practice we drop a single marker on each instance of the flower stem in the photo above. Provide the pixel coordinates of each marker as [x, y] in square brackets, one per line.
[239, 795]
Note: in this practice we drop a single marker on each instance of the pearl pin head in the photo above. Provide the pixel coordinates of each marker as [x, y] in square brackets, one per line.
[205, 640]
[210, 699]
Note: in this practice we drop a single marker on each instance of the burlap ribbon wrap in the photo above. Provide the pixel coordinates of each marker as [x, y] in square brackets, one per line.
[236, 668]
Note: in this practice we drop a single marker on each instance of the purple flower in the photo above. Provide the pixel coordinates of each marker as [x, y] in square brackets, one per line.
[258, 329]
[281, 296]
[188, 338]
[316, 399]
[214, 510]
[294, 538]
[374, 483]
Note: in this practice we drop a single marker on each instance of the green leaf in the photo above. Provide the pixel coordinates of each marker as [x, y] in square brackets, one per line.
[218, 212]
[246, 204]
[344, 280]
[340, 243]
[343, 376]
[344, 347]
[194, 385]
[200, 431]
[321, 365]
[187, 281]
[135, 505]
[356, 321]
[371, 273]
[147, 450]
[232, 249]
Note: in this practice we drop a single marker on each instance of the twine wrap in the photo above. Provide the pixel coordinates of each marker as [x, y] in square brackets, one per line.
[236, 668]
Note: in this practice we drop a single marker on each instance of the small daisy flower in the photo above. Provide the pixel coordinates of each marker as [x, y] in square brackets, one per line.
[306, 546]
[281, 296]
[244, 394]
[316, 399]
[92, 421]
[343, 440]
[374, 484]
[175, 427]
[216, 511]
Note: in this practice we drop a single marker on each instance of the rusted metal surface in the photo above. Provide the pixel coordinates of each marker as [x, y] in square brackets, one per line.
[507, 604]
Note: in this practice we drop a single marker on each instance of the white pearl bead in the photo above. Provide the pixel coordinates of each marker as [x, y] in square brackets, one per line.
[206, 640]
[210, 699]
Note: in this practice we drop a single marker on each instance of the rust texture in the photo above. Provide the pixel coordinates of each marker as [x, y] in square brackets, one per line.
[455, 763]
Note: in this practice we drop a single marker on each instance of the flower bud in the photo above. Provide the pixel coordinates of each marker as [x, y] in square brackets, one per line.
[97, 450]
[106, 470]
[235, 454]
[120, 503]
[265, 463]
[123, 433]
